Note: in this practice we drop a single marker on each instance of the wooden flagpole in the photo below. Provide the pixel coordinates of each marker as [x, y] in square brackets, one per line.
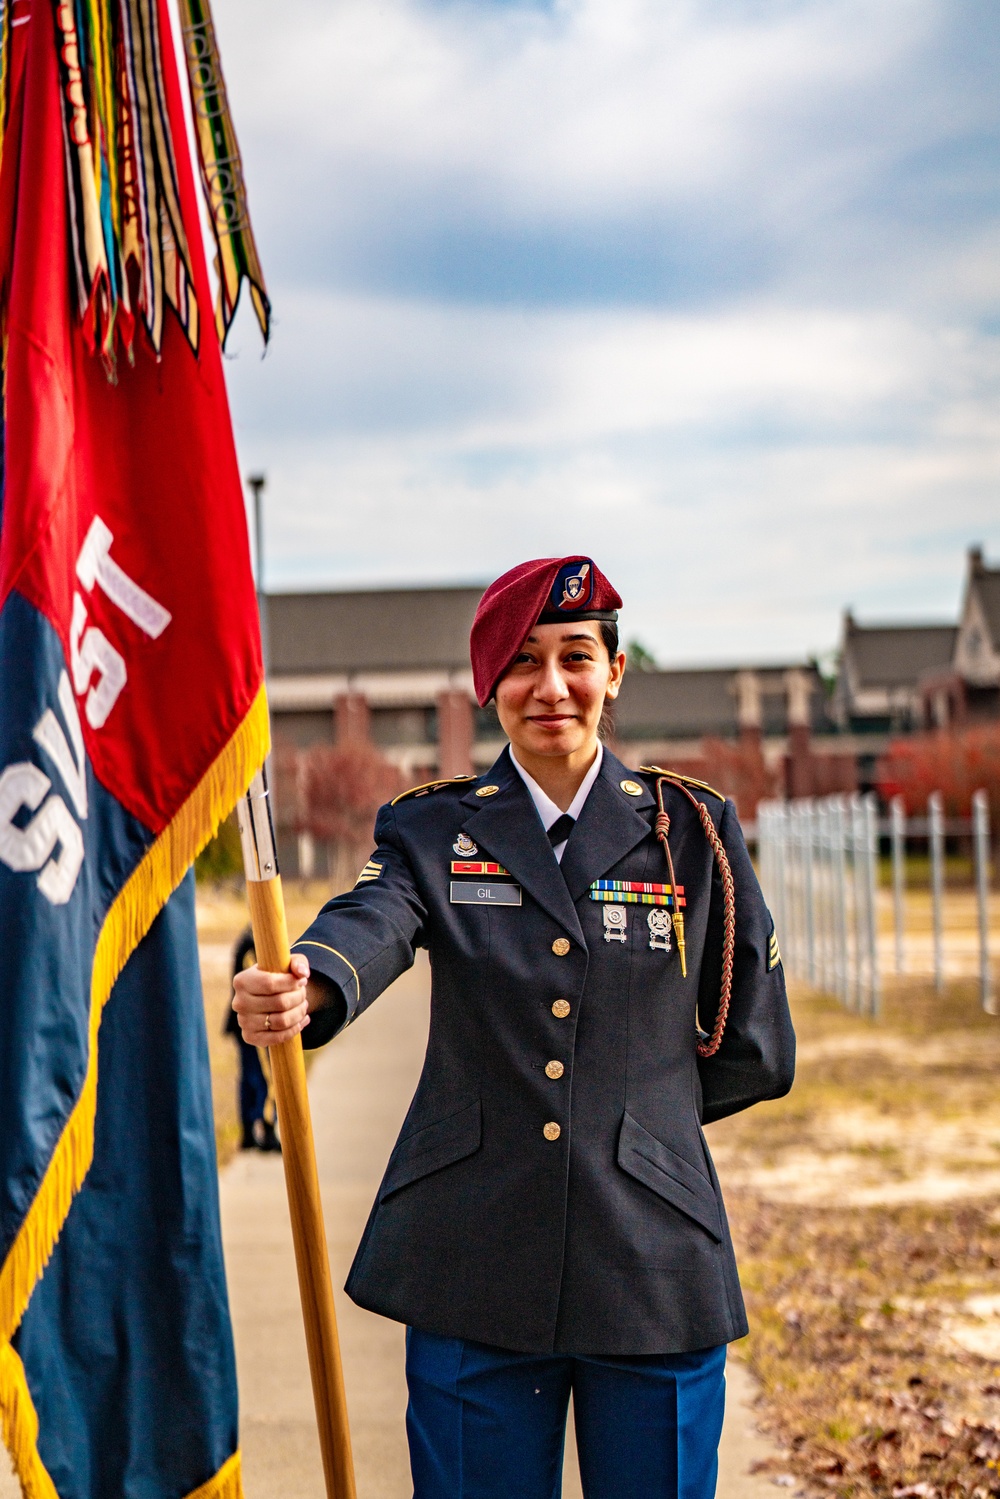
[270, 935]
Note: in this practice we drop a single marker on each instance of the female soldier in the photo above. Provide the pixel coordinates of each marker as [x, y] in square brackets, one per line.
[605, 980]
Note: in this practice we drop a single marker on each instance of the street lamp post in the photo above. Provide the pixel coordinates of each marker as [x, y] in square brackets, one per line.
[257, 483]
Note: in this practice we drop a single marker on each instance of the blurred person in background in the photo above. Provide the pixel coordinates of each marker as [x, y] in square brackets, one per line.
[257, 1111]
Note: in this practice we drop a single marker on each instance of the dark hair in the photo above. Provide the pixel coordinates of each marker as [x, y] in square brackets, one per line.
[609, 635]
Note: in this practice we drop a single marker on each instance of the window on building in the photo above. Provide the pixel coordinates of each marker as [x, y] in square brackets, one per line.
[390, 726]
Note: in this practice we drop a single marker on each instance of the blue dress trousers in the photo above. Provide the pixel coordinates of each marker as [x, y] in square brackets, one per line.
[483, 1423]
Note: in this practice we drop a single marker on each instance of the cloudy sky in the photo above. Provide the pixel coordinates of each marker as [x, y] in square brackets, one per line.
[709, 289]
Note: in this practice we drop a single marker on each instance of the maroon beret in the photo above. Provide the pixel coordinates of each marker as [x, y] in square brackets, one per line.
[546, 591]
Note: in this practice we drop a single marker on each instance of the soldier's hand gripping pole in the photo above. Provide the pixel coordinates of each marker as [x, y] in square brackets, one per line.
[270, 934]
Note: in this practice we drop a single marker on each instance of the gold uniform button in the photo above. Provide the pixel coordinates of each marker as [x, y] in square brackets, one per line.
[552, 1131]
[487, 790]
[554, 1069]
[631, 788]
[561, 946]
[561, 1008]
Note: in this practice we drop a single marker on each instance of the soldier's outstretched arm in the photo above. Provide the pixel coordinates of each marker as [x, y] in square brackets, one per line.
[358, 944]
[757, 1057]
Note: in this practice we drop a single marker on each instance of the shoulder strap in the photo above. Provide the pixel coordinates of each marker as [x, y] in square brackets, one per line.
[428, 786]
[677, 777]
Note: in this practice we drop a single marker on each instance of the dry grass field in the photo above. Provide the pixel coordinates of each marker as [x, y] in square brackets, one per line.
[866, 1209]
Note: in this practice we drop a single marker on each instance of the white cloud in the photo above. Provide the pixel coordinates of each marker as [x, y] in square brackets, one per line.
[588, 102]
[707, 287]
[482, 376]
[744, 473]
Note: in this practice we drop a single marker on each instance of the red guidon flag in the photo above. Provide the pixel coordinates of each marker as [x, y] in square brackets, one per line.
[132, 718]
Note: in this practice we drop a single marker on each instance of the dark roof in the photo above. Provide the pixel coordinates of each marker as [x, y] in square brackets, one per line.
[699, 701]
[897, 655]
[388, 629]
[414, 629]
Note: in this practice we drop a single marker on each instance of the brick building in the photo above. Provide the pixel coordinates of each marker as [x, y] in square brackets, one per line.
[392, 666]
[967, 690]
[904, 678]
[671, 718]
[882, 671]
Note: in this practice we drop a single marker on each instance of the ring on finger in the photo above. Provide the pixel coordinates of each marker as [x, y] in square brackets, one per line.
[267, 1022]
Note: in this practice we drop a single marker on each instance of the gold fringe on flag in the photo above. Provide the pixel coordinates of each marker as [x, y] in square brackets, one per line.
[19, 1424]
[227, 1483]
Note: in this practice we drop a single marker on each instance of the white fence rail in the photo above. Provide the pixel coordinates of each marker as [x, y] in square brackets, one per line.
[819, 866]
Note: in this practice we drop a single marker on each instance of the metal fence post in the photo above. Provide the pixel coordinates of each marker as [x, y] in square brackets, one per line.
[897, 809]
[777, 826]
[858, 886]
[765, 857]
[829, 936]
[809, 887]
[768, 840]
[763, 851]
[769, 860]
[840, 896]
[777, 863]
[871, 850]
[981, 841]
[822, 894]
[793, 885]
[935, 814]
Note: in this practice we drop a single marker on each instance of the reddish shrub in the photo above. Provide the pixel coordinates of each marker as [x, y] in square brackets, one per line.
[740, 771]
[331, 791]
[956, 764]
[343, 787]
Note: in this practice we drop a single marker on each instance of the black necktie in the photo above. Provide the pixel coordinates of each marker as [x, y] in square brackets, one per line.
[561, 829]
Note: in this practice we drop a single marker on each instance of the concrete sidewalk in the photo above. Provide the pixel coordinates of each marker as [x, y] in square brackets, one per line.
[360, 1089]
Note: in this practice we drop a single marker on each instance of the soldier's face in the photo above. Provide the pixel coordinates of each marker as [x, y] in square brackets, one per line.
[550, 700]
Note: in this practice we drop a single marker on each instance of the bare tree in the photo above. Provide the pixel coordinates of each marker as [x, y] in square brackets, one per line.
[342, 788]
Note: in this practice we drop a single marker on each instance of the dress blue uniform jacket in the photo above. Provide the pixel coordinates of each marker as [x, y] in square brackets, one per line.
[611, 1238]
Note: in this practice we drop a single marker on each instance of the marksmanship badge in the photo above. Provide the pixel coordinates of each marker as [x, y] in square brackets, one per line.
[615, 929]
[658, 922]
[464, 846]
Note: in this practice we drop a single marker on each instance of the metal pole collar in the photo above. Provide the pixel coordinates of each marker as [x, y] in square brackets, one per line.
[253, 814]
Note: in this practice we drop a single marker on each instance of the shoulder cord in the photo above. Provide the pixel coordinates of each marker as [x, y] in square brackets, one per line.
[710, 1047]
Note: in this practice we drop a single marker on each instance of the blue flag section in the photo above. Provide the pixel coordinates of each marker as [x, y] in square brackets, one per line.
[62, 835]
[137, 1394]
[125, 1349]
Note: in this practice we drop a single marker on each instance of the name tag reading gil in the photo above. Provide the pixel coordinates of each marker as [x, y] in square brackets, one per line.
[467, 893]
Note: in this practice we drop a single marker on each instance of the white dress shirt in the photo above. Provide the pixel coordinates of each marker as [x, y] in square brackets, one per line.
[546, 807]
